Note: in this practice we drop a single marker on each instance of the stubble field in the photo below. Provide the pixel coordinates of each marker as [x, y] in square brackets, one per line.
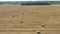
[29, 19]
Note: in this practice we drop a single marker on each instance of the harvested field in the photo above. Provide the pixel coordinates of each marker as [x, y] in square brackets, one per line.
[29, 19]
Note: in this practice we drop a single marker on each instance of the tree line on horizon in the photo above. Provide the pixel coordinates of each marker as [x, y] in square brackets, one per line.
[30, 3]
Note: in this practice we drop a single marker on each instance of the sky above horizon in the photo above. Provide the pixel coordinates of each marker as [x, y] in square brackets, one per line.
[29, 0]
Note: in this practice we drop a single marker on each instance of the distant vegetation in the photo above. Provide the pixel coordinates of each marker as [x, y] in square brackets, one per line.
[30, 3]
[35, 3]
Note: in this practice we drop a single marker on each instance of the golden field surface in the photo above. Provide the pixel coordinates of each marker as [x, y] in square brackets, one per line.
[29, 19]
